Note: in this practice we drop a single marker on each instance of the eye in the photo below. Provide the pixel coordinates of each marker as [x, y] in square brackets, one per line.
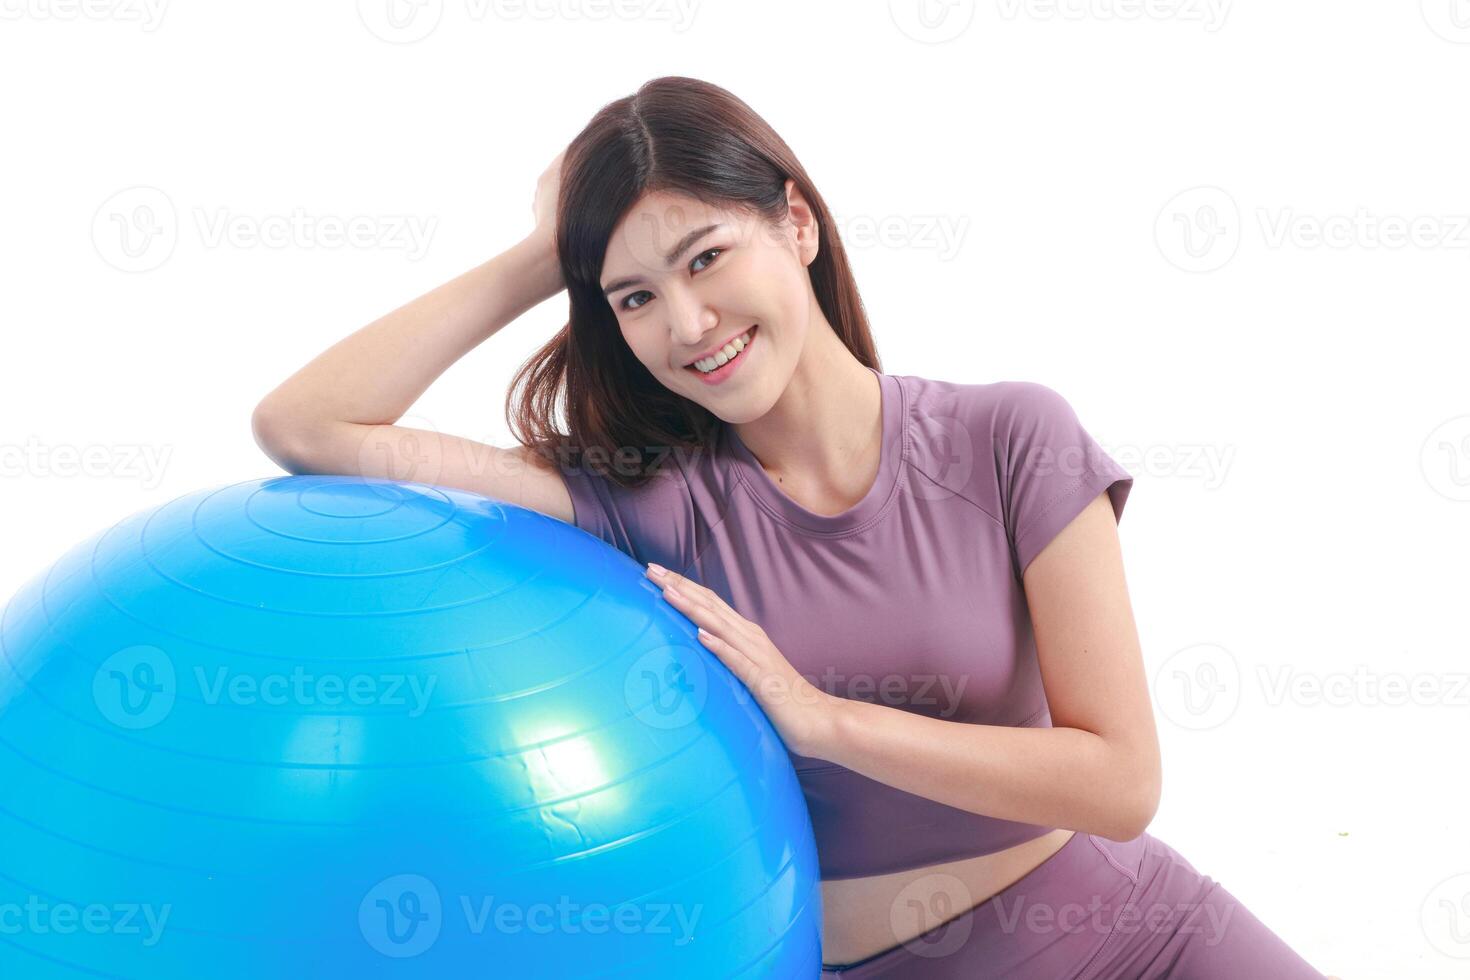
[706, 252]
[624, 303]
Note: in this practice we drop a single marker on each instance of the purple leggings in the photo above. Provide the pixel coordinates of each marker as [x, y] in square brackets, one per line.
[1097, 909]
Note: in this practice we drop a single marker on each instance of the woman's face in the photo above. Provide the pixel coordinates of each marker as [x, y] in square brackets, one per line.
[685, 279]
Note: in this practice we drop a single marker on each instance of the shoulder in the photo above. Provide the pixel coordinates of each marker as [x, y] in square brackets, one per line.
[652, 521]
[969, 438]
[985, 404]
[1025, 412]
[984, 418]
[950, 438]
[1016, 450]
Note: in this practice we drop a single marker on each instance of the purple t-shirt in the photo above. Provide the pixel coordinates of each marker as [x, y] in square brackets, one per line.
[911, 598]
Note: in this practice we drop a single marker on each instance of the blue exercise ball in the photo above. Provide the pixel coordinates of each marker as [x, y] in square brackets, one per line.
[341, 727]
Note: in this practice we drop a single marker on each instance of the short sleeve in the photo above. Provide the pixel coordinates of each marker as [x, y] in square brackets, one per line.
[1050, 468]
[653, 522]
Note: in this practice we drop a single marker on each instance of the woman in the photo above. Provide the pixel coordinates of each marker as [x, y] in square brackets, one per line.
[919, 580]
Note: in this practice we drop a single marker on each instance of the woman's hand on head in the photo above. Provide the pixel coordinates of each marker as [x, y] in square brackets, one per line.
[540, 263]
[548, 189]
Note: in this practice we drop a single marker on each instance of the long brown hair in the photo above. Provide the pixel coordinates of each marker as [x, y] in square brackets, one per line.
[674, 134]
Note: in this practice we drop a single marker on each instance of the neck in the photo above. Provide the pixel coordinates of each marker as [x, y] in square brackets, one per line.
[822, 439]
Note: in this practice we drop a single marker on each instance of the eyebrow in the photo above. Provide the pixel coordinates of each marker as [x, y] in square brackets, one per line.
[678, 250]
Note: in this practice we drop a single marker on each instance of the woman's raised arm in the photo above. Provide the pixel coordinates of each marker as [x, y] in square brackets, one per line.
[337, 414]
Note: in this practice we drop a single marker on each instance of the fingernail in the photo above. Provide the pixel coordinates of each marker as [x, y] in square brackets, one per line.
[655, 569]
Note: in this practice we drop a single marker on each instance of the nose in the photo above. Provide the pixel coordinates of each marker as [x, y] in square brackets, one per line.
[693, 331]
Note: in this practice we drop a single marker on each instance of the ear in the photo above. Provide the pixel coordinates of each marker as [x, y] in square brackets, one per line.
[804, 221]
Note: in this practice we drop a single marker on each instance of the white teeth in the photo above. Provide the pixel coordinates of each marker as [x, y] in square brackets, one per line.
[724, 354]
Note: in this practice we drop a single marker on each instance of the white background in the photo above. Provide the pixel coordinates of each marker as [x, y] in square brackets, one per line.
[1235, 236]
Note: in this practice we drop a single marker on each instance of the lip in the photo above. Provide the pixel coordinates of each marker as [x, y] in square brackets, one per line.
[719, 347]
[719, 374]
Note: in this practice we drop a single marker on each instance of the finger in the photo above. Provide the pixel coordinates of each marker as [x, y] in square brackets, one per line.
[720, 617]
[685, 584]
[734, 624]
[719, 610]
[701, 611]
[666, 577]
[740, 665]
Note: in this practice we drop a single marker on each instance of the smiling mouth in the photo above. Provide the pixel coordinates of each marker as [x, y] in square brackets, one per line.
[709, 365]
